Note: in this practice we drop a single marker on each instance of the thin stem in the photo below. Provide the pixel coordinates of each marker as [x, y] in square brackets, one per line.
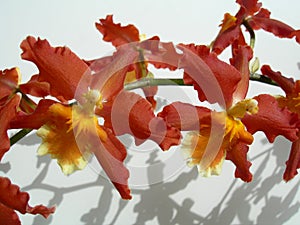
[146, 82]
[251, 32]
[262, 79]
[27, 105]
[18, 136]
[30, 104]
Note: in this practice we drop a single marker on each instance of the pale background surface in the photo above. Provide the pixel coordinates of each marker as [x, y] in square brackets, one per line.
[85, 198]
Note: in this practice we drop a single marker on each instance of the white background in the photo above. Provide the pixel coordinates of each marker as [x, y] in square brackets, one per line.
[87, 198]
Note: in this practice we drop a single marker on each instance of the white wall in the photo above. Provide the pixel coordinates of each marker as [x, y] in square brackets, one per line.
[87, 198]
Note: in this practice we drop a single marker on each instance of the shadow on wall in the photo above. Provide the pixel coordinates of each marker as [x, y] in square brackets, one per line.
[156, 203]
[275, 210]
[31, 139]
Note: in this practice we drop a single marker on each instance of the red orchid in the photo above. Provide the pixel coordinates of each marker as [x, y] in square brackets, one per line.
[215, 135]
[204, 70]
[133, 110]
[70, 78]
[254, 17]
[15, 200]
[152, 50]
[272, 119]
[63, 70]
[289, 102]
[119, 35]
[226, 134]
[74, 94]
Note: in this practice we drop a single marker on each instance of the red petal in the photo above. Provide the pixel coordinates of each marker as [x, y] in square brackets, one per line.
[271, 119]
[287, 84]
[13, 198]
[226, 37]
[97, 65]
[144, 124]
[214, 79]
[35, 88]
[296, 34]
[252, 6]
[40, 209]
[263, 13]
[7, 113]
[293, 163]
[238, 155]
[34, 120]
[110, 79]
[9, 80]
[111, 154]
[184, 116]
[238, 42]
[232, 34]
[240, 61]
[8, 216]
[163, 134]
[163, 55]
[141, 71]
[276, 27]
[60, 67]
[134, 115]
[150, 92]
[117, 34]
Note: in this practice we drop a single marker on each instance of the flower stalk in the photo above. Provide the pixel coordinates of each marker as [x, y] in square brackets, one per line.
[19, 135]
[66, 114]
[147, 82]
[251, 32]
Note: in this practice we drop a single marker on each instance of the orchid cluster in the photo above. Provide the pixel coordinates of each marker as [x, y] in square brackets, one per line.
[80, 107]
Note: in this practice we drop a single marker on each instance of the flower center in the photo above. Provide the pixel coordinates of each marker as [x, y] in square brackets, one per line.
[241, 108]
[93, 99]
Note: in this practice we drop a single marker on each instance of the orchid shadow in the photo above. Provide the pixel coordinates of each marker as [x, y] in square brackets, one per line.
[156, 201]
[244, 198]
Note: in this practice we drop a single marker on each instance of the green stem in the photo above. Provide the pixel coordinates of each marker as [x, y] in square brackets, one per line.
[27, 105]
[31, 104]
[147, 82]
[18, 136]
[251, 32]
[262, 79]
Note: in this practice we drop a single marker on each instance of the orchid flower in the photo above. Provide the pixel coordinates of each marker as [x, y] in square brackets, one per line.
[289, 102]
[219, 134]
[253, 17]
[119, 35]
[71, 132]
[150, 50]
[227, 134]
[84, 105]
